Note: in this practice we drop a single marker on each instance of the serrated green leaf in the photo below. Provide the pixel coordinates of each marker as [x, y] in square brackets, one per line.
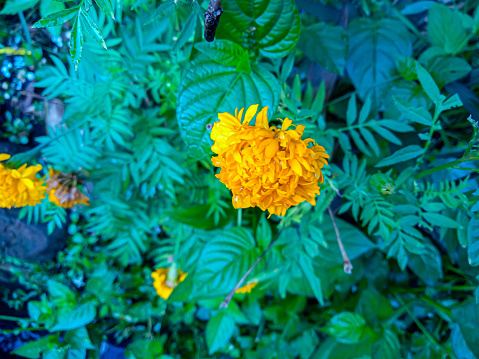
[106, 7]
[419, 115]
[57, 18]
[208, 89]
[76, 41]
[440, 220]
[219, 330]
[225, 53]
[272, 27]
[327, 45]
[92, 28]
[13, 7]
[404, 154]
[34, 349]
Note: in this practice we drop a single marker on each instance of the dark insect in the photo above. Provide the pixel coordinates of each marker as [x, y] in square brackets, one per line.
[212, 19]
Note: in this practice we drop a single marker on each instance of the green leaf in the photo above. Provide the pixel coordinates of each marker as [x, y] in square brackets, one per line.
[59, 290]
[428, 84]
[347, 327]
[307, 267]
[467, 316]
[187, 32]
[145, 349]
[387, 347]
[373, 47]
[327, 45]
[13, 7]
[106, 7]
[446, 30]
[219, 330]
[92, 28]
[417, 7]
[448, 69]
[352, 111]
[76, 41]
[208, 89]
[419, 115]
[270, 27]
[226, 53]
[34, 349]
[373, 306]
[404, 154]
[225, 259]
[473, 242]
[79, 317]
[57, 18]
[427, 265]
[78, 339]
[440, 220]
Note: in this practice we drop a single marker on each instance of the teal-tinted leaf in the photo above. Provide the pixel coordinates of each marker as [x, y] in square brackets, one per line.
[448, 69]
[440, 220]
[373, 48]
[13, 7]
[264, 234]
[76, 41]
[417, 7]
[208, 88]
[59, 290]
[81, 316]
[92, 28]
[373, 306]
[106, 7]
[459, 345]
[365, 110]
[225, 53]
[313, 280]
[452, 102]
[446, 30]
[428, 84]
[404, 154]
[78, 339]
[34, 349]
[352, 112]
[387, 347]
[419, 115]
[331, 349]
[57, 18]
[467, 316]
[473, 242]
[164, 9]
[347, 327]
[187, 32]
[327, 45]
[145, 349]
[271, 27]
[427, 265]
[219, 330]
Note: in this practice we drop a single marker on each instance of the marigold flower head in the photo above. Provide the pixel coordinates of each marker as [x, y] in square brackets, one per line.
[63, 190]
[20, 187]
[269, 167]
[247, 288]
[163, 285]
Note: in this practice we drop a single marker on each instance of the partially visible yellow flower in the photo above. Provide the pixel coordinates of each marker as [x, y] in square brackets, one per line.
[268, 167]
[163, 285]
[247, 288]
[10, 51]
[20, 187]
[63, 190]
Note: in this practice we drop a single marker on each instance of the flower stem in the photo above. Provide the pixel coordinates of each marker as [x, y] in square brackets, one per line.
[348, 267]
[240, 217]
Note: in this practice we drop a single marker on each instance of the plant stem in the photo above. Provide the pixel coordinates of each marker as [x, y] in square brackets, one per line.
[26, 30]
[348, 267]
[11, 319]
[474, 157]
[240, 217]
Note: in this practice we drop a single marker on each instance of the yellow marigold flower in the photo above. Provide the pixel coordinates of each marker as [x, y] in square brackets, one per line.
[20, 187]
[268, 167]
[63, 191]
[163, 285]
[247, 288]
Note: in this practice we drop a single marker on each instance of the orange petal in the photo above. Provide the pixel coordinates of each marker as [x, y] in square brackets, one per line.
[262, 118]
[250, 114]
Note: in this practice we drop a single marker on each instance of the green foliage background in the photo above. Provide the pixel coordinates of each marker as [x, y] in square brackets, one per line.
[389, 89]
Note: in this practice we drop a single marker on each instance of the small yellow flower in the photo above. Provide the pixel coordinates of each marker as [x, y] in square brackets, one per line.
[163, 285]
[268, 167]
[63, 190]
[20, 187]
[247, 288]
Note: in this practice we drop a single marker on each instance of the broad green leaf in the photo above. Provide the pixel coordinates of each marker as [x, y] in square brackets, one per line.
[208, 89]
[219, 330]
[145, 349]
[270, 27]
[352, 111]
[373, 48]
[327, 45]
[226, 53]
[446, 29]
[404, 154]
[79, 317]
[427, 265]
[419, 115]
[57, 18]
[458, 344]
[78, 339]
[428, 84]
[331, 349]
[467, 316]
[373, 306]
[347, 328]
[225, 259]
[76, 41]
[309, 272]
[34, 349]
[59, 290]
[387, 347]
[448, 69]
[13, 7]
[440, 220]
[92, 28]
[106, 7]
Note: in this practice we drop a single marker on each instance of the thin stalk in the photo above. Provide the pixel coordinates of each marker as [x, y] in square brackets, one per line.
[240, 217]
[11, 319]
[26, 30]
[429, 138]
[348, 267]
[447, 165]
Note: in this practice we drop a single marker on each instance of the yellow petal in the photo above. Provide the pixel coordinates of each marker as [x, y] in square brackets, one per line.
[272, 149]
[296, 166]
[250, 114]
[28, 182]
[262, 118]
[16, 174]
[4, 156]
[229, 119]
[286, 123]
[240, 114]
